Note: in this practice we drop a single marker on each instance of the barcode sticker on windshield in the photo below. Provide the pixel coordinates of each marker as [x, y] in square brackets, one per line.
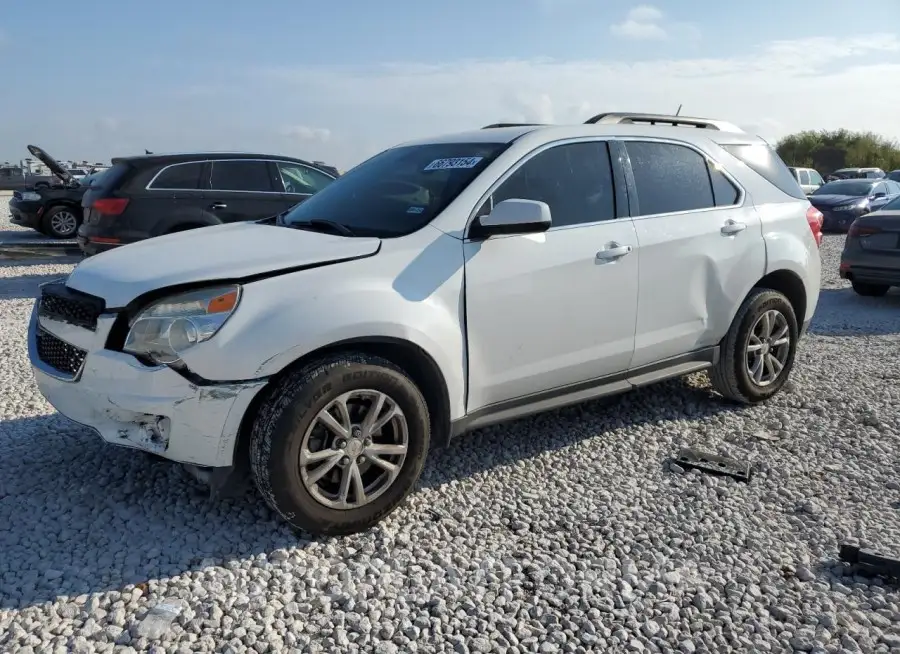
[457, 162]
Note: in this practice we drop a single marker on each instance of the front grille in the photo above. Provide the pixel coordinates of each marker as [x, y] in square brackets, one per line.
[58, 354]
[61, 303]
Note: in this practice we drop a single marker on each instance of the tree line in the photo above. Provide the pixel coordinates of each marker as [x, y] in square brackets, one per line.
[827, 151]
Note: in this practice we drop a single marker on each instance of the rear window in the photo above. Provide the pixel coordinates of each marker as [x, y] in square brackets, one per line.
[765, 161]
[110, 177]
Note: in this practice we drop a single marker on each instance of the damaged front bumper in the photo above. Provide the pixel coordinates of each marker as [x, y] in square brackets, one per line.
[154, 409]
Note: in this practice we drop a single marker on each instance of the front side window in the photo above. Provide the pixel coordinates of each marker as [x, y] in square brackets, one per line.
[240, 175]
[398, 191]
[301, 179]
[183, 176]
[575, 180]
[669, 178]
[815, 178]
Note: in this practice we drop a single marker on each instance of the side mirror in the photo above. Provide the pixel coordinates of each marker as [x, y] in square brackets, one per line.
[879, 194]
[512, 217]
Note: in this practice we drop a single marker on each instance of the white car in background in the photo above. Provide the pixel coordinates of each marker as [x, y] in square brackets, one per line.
[441, 286]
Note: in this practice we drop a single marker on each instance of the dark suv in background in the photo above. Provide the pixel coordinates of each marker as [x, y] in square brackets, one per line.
[150, 195]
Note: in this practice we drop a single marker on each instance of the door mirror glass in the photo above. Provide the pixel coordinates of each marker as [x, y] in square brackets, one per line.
[513, 216]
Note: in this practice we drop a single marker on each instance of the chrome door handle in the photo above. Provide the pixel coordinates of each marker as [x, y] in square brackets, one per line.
[614, 251]
[218, 205]
[733, 227]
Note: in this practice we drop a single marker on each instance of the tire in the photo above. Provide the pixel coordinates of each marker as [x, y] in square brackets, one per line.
[869, 290]
[731, 376]
[61, 222]
[288, 420]
[183, 228]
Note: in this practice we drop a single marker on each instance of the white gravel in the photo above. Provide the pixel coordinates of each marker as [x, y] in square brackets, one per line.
[561, 533]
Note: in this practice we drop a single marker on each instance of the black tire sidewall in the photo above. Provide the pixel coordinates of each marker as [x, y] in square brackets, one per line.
[48, 225]
[870, 290]
[759, 305]
[287, 493]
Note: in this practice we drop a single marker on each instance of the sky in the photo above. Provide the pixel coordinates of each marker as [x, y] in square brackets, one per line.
[341, 81]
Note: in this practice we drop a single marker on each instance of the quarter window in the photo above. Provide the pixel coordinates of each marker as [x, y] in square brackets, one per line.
[672, 178]
[240, 175]
[302, 179]
[575, 181]
[183, 176]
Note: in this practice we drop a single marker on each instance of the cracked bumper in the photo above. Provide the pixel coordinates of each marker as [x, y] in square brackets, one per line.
[148, 408]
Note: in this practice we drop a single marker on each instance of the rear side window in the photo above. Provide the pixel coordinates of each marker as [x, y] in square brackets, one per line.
[669, 178]
[804, 177]
[765, 161]
[182, 176]
[240, 176]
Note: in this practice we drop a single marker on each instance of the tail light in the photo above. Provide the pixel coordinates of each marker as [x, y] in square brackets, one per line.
[858, 230]
[815, 219]
[110, 206]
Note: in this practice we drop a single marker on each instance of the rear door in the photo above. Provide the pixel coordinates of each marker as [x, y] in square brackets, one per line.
[699, 242]
[172, 200]
[242, 189]
[298, 182]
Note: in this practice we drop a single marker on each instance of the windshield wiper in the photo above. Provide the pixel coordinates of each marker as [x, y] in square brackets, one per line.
[319, 224]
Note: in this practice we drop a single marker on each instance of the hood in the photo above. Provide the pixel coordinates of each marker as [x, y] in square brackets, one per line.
[51, 163]
[222, 252]
[830, 200]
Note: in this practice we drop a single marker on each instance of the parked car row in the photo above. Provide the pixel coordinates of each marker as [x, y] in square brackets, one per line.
[440, 286]
[810, 179]
[151, 195]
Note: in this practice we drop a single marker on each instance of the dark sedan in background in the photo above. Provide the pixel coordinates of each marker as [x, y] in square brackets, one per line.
[871, 256]
[844, 200]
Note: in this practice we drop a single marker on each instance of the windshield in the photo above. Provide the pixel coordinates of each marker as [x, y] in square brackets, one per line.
[844, 188]
[400, 190]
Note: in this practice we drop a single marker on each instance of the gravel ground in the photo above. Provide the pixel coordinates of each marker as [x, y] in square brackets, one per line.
[561, 533]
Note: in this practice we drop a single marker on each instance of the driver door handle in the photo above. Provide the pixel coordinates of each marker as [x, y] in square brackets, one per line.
[215, 206]
[613, 251]
[732, 227]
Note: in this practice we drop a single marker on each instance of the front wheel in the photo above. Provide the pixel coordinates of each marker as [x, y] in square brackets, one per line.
[757, 353]
[340, 443]
[869, 290]
[61, 222]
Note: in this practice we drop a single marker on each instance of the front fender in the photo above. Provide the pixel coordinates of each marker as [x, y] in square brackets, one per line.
[411, 291]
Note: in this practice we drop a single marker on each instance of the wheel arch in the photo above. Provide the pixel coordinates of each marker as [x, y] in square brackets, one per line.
[408, 356]
[789, 284]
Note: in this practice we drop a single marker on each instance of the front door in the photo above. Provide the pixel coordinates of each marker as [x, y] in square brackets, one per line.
[700, 244]
[558, 308]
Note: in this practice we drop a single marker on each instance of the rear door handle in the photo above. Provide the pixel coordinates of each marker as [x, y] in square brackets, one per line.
[218, 205]
[733, 227]
[613, 251]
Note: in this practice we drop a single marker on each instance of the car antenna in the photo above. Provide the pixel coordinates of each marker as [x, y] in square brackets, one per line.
[146, 151]
[678, 113]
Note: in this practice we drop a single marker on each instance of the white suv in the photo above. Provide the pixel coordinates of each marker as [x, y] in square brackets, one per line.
[440, 286]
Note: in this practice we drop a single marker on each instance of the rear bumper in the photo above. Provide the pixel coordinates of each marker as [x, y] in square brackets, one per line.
[871, 274]
[92, 242]
[833, 221]
[27, 214]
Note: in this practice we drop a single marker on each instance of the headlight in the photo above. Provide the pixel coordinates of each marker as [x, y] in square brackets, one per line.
[166, 329]
[853, 206]
[31, 196]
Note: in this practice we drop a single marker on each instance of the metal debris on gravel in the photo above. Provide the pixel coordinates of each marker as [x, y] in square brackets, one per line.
[564, 532]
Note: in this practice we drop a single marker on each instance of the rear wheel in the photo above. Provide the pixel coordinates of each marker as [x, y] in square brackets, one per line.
[869, 290]
[340, 443]
[757, 354]
[61, 222]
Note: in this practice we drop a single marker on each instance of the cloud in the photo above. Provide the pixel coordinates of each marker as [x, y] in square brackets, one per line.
[768, 87]
[304, 133]
[645, 23]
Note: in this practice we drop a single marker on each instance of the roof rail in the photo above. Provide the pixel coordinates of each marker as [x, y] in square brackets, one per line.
[620, 118]
[501, 125]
